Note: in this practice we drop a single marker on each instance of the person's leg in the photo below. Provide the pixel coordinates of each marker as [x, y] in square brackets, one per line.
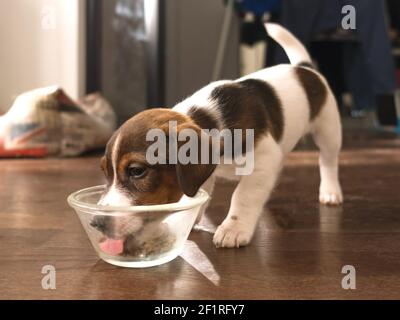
[357, 78]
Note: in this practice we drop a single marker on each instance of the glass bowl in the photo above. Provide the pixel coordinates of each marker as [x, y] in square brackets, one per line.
[136, 236]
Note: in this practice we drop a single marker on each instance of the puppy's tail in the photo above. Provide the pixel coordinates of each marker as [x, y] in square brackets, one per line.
[295, 50]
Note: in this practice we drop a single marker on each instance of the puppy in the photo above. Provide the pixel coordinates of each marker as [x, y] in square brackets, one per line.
[281, 104]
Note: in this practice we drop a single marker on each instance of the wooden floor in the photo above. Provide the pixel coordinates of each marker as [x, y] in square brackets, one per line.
[298, 251]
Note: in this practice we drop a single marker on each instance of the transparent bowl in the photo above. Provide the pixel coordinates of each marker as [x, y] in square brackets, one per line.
[136, 236]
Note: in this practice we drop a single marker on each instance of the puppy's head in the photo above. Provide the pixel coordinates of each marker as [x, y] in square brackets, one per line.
[132, 180]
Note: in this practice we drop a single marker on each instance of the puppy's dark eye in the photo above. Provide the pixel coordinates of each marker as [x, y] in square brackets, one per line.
[136, 172]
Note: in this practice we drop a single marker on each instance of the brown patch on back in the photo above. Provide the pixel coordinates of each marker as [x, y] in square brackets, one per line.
[314, 88]
[250, 104]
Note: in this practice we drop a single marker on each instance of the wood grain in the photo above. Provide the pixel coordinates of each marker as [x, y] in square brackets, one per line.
[298, 251]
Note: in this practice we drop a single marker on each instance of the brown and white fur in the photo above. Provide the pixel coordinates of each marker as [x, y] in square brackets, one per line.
[281, 104]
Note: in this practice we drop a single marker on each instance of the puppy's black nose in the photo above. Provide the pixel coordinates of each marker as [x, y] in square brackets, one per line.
[100, 223]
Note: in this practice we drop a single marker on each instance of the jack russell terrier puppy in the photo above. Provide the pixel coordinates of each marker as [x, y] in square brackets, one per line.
[281, 104]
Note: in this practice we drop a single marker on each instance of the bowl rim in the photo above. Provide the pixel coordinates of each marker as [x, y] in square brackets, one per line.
[200, 198]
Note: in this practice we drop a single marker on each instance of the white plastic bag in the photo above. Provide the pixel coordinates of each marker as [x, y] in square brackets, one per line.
[46, 121]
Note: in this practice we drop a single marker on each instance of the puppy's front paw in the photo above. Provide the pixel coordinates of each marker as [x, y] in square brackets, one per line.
[232, 233]
[331, 198]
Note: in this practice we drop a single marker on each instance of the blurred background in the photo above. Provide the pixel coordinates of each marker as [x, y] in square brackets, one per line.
[141, 54]
[71, 71]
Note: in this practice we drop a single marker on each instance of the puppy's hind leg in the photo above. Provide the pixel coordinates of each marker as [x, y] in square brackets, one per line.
[327, 134]
[249, 197]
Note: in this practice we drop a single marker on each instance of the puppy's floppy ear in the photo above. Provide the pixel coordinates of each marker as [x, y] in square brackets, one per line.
[191, 176]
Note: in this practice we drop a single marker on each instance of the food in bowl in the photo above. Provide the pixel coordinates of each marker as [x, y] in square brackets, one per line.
[136, 236]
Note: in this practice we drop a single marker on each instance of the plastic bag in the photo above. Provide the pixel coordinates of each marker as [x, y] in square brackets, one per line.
[46, 122]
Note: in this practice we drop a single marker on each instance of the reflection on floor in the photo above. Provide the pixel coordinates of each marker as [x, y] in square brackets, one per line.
[298, 250]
